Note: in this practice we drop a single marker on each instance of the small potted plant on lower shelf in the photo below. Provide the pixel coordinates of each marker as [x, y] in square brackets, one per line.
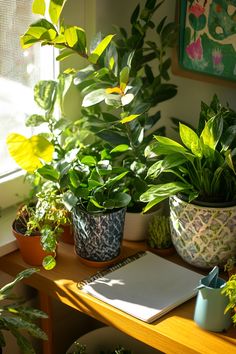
[18, 318]
[230, 291]
[159, 235]
[38, 227]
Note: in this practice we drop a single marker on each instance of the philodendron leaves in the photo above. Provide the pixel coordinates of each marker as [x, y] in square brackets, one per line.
[29, 152]
[155, 194]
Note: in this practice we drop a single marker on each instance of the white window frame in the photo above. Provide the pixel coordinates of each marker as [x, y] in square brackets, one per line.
[12, 186]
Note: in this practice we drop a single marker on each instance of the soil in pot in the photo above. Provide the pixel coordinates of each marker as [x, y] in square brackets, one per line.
[30, 246]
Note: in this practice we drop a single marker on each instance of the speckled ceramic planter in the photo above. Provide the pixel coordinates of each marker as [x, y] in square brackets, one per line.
[98, 237]
[203, 236]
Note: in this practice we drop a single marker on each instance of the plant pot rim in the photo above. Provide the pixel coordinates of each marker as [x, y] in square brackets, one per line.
[77, 208]
[20, 233]
[99, 264]
[211, 205]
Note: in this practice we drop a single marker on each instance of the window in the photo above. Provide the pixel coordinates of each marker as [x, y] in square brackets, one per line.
[19, 71]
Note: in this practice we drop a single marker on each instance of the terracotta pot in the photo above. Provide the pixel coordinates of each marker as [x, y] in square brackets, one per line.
[68, 235]
[30, 248]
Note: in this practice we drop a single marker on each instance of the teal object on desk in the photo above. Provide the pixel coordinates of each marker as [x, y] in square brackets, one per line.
[210, 304]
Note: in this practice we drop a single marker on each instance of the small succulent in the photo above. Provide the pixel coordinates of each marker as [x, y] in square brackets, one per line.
[159, 235]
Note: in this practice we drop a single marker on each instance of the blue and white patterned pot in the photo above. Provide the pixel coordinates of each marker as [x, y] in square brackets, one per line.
[203, 236]
[98, 237]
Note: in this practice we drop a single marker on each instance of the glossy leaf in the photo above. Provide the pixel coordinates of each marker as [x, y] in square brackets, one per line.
[124, 78]
[167, 146]
[6, 289]
[49, 173]
[129, 118]
[97, 52]
[37, 148]
[94, 97]
[76, 38]
[190, 139]
[49, 262]
[35, 120]
[39, 7]
[127, 99]
[159, 192]
[118, 200]
[45, 94]
[121, 148]
[55, 8]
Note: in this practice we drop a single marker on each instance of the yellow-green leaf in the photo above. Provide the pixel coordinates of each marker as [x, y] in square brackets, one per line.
[39, 7]
[124, 77]
[129, 118]
[97, 52]
[190, 139]
[55, 9]
[28, 153]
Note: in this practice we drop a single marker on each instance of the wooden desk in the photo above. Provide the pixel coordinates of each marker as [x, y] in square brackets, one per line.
[174, 333]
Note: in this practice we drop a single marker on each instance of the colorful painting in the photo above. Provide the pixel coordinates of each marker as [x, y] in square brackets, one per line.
[208, 37]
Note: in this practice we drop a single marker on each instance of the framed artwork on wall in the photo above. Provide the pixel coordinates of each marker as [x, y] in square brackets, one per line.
[207, 40]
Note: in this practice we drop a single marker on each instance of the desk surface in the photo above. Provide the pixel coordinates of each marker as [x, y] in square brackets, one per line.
[174, 333]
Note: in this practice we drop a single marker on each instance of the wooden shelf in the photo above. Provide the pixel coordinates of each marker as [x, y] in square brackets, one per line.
[174, 333]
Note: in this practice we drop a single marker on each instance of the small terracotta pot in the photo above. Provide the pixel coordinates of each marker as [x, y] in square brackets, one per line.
[68, 235]
[30, 248]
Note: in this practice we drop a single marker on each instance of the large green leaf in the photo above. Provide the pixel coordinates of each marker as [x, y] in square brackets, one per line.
[166, 164]
[124, 78]
[55, 8]
[117, 200]
[159, 192]
[94, 97]
[97, 52]
[167, 146]
[76, 38]
[45, 92]
[29, 153]
[35, 120]
[211, 133]
[39, 7]
[49, 172]
[190, 139]
[41, 30]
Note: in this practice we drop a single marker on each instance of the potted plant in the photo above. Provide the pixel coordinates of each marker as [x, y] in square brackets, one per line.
[118, 75]
[98, 199]
[230, 291]
[18, 318]
[200, 180]
[159, 235]
[39, 225]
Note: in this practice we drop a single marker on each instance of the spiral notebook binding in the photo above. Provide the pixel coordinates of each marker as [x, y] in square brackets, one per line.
[110, 269]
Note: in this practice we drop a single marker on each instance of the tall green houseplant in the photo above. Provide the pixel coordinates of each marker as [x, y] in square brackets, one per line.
[118, 74]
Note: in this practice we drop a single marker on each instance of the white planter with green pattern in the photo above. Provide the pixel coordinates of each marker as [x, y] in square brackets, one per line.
[203, 236]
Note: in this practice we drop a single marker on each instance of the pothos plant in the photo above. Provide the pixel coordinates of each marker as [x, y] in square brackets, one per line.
[118, 74]
[203, 167]
[18, 318]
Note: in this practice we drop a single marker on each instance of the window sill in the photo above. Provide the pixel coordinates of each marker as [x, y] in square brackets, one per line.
[7, 240]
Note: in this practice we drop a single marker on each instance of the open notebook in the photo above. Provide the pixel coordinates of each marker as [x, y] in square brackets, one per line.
[145, 286]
